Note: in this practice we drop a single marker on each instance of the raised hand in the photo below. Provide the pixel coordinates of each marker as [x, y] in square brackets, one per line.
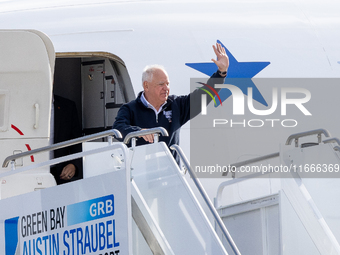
[222, 61]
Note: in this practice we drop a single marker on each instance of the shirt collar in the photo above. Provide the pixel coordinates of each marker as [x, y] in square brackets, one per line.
[147, 104]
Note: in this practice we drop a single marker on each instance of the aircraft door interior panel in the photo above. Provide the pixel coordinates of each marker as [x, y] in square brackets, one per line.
[93, 74]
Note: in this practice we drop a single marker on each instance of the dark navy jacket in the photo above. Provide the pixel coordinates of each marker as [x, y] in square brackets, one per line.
[66, 127]
[135, 116]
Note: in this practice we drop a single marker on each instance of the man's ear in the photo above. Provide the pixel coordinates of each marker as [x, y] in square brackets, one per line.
[145, 85]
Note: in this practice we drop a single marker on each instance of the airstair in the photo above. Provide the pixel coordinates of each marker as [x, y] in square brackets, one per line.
[137, 201]
[143, 183]
[300, 215]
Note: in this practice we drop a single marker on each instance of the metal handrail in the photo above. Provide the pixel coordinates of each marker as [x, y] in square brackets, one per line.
[273, 155]
[250, 161]
[149, 228]
[332, 140]
[206, 199]
[336, 148]
[157, 130]
[239, 164]
[112, 132]
[55, 161]
[288, 142]
[307, 133]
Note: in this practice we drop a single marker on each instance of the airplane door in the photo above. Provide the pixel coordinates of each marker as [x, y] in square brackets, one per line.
[26, 70]
[99, 84]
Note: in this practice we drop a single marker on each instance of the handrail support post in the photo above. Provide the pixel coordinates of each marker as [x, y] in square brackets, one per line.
[156, 138]
[319, 138]
[110, 139]
[133, 142]
[13, 165]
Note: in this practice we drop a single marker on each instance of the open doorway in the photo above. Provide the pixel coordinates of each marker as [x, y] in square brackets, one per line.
[98, 82]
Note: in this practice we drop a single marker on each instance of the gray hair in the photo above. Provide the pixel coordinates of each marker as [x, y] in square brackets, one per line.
[149, 71]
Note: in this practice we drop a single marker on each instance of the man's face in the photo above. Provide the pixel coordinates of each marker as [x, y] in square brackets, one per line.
[157, 91]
